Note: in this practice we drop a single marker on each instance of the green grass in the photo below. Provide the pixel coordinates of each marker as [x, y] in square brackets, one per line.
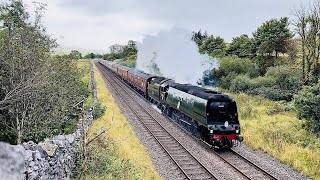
[118, 154]
[128, 61]
[84, 67]
[273, 128]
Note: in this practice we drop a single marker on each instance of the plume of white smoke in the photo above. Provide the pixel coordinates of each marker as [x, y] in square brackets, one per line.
[174, 55]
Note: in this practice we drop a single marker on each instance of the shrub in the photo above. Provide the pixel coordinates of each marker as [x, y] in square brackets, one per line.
[279, 83]
[129, 61]
[263, 81]
[273, 93]
[105, 163]
[237, 65]
[286, 77]
[225, 81]
[99, 110]
[307, 103]
[263, 63]
[240, 83]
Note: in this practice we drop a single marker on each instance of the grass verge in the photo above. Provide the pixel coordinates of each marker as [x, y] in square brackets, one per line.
[118, 154]
[273, 128]
[84, 67]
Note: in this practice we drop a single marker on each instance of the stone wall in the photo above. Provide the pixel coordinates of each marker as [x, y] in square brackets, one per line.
[51, 159]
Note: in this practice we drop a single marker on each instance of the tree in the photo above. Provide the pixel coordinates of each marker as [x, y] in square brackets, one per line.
[90, 56]
[214, 46]
[240, 46]
[198, 37]
[272, 37]
[307, 26]
[37, 91]
[121, 51]
[74, 54]
[132, 45]
[116, 48]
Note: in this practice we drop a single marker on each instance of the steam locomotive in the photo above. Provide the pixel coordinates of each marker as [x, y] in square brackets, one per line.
[205, 113]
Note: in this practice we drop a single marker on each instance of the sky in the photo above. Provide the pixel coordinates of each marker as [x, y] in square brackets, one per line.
[94, 25]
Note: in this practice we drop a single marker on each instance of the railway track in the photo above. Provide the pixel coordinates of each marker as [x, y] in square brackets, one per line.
[240, 164]
[190, 167]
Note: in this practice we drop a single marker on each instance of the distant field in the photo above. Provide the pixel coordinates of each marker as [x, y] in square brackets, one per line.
[272, 128]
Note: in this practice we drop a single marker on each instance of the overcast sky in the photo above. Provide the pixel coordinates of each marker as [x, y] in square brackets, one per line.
[94, 25]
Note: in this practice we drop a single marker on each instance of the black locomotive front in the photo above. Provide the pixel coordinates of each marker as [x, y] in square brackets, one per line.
[223, 123]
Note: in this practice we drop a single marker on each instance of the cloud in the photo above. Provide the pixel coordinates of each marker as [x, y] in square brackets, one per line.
[94, 25]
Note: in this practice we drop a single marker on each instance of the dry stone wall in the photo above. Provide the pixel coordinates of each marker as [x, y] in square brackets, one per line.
[51, 159]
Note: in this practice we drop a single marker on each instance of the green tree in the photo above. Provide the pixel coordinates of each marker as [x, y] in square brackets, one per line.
[272, 37]
[307, 26]
[240, 46]
[90, 56]
[74, 54]
[237, 65]
[198, 37]
[37, 91]
[122, 51]
[214, 46]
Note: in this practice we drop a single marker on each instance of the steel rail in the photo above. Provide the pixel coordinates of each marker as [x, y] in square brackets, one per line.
[156, 121]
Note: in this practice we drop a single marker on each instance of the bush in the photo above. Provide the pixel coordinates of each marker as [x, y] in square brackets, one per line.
[263, 81]
[225, 81]
[129, 61]
[279, 83]
[238, 66]
[286, 77]
[240, 83]
[273, 93]
[99, 110]
[105, 163]
[263, 63]
[307, 104]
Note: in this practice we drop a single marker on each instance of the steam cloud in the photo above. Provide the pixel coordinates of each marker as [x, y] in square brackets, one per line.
[174, 55]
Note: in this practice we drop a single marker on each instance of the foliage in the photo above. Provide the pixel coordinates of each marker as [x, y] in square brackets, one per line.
[225, 81]
[307, 25]
[92, 56]
[272, 36]
[84, 69]
[99, 110]
[237, 65]
[128, 61]
[121, 51]
[213, 46]
[240, 46]
[263, 63]
[279, 83]
[307, 103]
[198, 37]
[74, 54]
[103, 163]
[285, 77]
[38, 91]
[240, 83]
[230, 67]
